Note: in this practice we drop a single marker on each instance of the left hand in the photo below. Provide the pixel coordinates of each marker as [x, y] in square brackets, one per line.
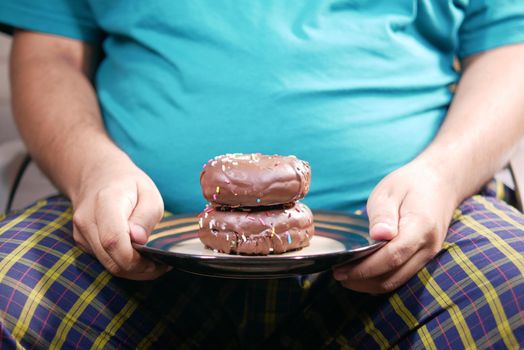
[411, 208]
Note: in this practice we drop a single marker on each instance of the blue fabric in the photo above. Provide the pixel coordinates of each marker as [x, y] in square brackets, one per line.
[357, 88]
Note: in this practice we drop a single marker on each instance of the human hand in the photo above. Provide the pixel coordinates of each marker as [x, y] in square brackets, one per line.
[117, 204]
[411, 208]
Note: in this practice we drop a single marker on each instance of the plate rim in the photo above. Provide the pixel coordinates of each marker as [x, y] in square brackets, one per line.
[374, 244]
[254, 258]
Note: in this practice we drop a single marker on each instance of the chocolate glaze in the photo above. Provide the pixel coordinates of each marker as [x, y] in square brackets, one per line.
[257, 232]
[249, 180]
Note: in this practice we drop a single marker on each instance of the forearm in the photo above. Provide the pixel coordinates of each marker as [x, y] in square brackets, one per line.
[484, 123]
[57, 113]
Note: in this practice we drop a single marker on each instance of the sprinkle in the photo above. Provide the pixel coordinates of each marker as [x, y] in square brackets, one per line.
[201, 223]
[288, 215]
[298, 210]
[267, 213]
[261, 221]
[258, 200]
[227, 236]
[271, 250]
[218, 189]
[208, 209]
[214, 196]
[289, 237]
[244, 237]
[206, 215]
[210, 225]
[204, 166]
[228, 182]
[250, 218]
[272, 231]
[223, 168]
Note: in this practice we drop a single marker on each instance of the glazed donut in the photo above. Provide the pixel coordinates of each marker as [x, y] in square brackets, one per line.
[251, 180]
[256, 232]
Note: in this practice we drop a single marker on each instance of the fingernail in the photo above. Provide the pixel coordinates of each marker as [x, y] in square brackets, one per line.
[382, 231]
[340, 276]
[138, 233]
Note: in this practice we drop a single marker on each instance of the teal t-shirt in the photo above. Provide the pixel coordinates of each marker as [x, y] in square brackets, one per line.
[356, 87]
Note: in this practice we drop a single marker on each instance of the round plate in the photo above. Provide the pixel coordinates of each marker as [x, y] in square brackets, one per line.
[339, 238]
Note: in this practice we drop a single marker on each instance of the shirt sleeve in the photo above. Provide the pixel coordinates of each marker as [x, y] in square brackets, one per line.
[489, 24]
[69, 18]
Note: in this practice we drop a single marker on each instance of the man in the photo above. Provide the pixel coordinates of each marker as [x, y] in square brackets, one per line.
[120, 102]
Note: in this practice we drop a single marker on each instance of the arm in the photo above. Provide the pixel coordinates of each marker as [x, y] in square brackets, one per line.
[485, 121]
[413, 206]
[56, 110]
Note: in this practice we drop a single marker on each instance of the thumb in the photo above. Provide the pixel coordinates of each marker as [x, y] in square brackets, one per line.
[147, 213]
[383, 216]
[138, 233]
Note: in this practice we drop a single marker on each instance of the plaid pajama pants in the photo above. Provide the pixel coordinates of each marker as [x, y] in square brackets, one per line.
[52, 295]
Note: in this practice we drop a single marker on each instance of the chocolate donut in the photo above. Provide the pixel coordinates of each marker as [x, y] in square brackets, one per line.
[256, 232]
[249, 180]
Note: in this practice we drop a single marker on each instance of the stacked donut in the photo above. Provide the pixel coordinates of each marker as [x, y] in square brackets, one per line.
[253, 206]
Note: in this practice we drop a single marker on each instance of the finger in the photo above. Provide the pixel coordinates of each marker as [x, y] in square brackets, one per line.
[392, 280]
[383, 209]
[141, 270]
[388, 258]
[80, 241]
[111, 215]
[146, 214]
[88, 229]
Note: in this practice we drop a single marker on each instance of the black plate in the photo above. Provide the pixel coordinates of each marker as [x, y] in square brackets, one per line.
[339, 238]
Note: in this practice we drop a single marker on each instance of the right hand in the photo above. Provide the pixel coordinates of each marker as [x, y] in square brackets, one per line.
[117, 204]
